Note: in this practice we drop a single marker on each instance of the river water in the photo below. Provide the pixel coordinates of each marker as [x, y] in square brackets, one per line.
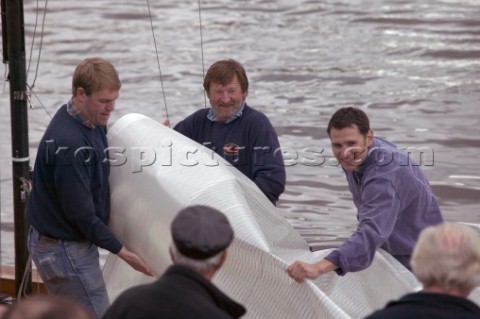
[413, 66]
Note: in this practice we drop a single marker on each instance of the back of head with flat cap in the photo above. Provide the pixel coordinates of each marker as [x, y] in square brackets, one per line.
[200, 232]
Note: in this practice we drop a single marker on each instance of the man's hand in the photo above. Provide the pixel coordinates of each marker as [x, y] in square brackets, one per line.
[134, 260]
[166, 123]
[300, 270]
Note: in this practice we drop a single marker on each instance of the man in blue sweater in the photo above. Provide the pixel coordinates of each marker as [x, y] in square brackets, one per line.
[243, 136]
[69, 206]
[393, 198]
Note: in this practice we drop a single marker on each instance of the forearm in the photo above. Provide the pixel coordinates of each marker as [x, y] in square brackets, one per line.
[300, 270]
[326, 266]
[135, 261]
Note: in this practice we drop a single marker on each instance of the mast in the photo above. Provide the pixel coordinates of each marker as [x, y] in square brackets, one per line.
[15, 41]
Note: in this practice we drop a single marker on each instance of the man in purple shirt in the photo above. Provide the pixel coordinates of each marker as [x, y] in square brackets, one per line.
[393, 198]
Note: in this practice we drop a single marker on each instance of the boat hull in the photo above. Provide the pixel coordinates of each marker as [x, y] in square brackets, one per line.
[157, 172]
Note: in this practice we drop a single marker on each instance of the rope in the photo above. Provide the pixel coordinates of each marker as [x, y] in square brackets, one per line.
[23, 284]
[38, 99]
[158, 62]
[23, 289]
[201, 47]
[41, 43]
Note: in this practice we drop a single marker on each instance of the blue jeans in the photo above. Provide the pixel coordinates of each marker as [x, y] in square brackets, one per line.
[70, 268]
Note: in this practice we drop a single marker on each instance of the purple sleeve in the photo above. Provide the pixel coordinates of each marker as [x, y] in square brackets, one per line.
[377, 214]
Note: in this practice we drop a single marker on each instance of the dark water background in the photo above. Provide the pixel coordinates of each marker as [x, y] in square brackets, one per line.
[413, 66]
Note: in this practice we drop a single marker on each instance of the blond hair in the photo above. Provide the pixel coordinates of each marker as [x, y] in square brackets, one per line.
[95, 74]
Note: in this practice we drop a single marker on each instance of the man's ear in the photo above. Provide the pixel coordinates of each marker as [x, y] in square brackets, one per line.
[171, 254]
[81, 95]
[369, 137]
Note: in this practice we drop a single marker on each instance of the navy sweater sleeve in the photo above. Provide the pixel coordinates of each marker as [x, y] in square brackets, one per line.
[268, 170]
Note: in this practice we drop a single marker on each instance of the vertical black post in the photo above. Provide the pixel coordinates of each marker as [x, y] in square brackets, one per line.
[4, 32]
[19, 126]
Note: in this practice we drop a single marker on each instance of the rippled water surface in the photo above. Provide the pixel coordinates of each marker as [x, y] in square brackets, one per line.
[413, 66]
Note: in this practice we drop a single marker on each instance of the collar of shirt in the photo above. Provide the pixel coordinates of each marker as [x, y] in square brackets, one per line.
[358, 174]
[212, 117]
[72, 110]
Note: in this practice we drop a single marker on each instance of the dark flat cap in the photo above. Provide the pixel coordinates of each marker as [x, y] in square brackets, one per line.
[200, 232]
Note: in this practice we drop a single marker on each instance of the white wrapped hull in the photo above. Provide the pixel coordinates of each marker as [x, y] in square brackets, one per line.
[145, 202]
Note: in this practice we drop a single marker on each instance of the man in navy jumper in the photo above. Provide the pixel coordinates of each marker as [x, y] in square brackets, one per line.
[243, 136]
[69, 206]
[393, 198]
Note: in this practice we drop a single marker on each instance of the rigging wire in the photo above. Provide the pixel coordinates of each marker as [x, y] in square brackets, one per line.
[201, 47]
[30, 87]
[33, 38]
[38, 99]
[41, 44]
[158, 62]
